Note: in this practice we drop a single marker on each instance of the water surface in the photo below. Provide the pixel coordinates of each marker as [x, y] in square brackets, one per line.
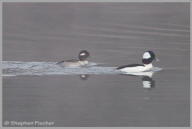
[115, 34]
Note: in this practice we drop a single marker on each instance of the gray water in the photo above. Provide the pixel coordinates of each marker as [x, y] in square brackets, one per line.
[115, 34]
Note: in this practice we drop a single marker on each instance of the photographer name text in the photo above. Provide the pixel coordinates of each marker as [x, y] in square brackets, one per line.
[28, 123]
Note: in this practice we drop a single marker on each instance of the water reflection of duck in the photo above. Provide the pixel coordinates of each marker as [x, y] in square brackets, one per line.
[82, 61]
[147, 80]
[147, 60]
[84, 76]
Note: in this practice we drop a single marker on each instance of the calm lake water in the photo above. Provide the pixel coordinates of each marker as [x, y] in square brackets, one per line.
[115, 34]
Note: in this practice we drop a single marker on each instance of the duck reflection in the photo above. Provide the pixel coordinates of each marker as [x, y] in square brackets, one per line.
[84, 76]
[148, 82]
[147, 79]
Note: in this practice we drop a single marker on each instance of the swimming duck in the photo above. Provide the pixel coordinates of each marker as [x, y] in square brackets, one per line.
[147, 59]
[81, 61]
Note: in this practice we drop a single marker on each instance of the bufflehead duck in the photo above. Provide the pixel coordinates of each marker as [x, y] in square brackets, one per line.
[83, 55]
[147, 60]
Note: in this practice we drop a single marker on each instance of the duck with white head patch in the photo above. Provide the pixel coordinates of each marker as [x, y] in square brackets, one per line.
[148, 58]
[82, 61]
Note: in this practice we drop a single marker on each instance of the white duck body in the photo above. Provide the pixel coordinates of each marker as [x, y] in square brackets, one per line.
[133, 69]
[136, 68]
[147, 60]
